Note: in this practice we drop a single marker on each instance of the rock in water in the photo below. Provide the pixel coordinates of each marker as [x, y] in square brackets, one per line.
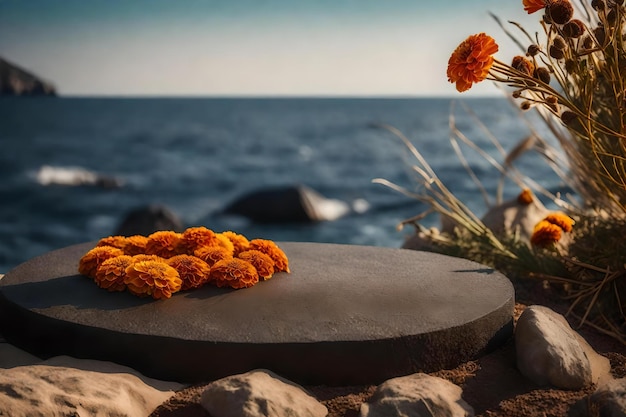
[259, 393]
[15, 81]
[417, 395]
[147, 220]
[550, 352]
[287, 205]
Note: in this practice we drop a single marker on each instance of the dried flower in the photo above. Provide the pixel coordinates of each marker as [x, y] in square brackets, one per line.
[560, 11]
[532, 6]
[560, 219]
[268, 247]
[545, 234]
[192, 270]
[163, 243]
[112, 273]
[569, 118]
[152, 278]
[240, 242]
[234, 273]
[471, 61]
[261, 262]
[135, 245]
[526, 197]
[195, 237]
[89, 262]
[523, 65]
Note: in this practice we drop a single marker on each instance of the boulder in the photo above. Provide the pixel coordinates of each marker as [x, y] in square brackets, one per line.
[259, 393]
[16, 81]
[65, 386]
[515, 216]
[549, 351]
[289, 204]
[416, 395]
[148, 219]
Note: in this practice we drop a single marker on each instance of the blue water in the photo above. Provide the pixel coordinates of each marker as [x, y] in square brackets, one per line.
[197, 155]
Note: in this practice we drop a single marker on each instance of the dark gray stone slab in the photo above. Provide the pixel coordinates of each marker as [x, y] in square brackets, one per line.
[345, 315]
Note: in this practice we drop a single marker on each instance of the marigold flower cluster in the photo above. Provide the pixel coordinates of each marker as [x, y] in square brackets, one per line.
[550, 230]
[166, 262]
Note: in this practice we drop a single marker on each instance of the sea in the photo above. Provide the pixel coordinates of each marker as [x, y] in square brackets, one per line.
[195, 156]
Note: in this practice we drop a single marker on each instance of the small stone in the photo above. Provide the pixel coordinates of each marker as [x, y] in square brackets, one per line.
[59, 387]
[609, 400]
[550, 352]
[417, 395]
[259, 393]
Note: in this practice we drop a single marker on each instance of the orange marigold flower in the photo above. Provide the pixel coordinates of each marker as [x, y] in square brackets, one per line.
[234, 273]
[471, 61]
[143, 257]
[212, 254]
[532, 6]
[152, 278]
[112, 272]
[268, 247]
[526, 197]
[545, 234]
[240, 242]
[195, 237]
[193, 271]
[225, 243]
[89, 263]
[560, 219]
[135, 245]
[115, 241]
[261, 262]
[163, 243]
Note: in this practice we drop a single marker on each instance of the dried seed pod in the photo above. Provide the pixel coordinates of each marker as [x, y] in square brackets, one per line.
[574, 29]
[542, 74]
[560, 11]
[533, 50]
[556, 53]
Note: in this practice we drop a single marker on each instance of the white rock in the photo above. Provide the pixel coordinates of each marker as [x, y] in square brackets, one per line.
[416, 395]
[550, 352]
[610, 397]
[259, 393]
[513, 217]
[59, 387]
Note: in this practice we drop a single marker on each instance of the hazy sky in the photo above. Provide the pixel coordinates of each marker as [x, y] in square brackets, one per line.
[249, 47]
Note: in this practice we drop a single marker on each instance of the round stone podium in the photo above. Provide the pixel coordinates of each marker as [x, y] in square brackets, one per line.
[345, 315]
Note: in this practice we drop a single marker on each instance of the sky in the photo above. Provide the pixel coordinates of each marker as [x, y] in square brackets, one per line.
[250, 47]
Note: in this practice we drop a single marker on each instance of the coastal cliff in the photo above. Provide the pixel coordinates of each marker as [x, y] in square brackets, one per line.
[16, 81]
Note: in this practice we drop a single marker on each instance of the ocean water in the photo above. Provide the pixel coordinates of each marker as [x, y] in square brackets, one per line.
[195, 156]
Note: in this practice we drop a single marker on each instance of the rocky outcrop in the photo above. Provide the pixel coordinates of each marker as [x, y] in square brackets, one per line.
[259, 393]
[16, 81]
